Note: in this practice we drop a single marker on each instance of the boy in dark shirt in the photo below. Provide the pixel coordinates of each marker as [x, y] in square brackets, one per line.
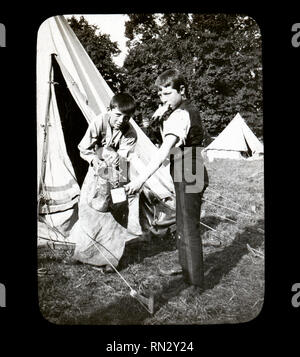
[183, 136]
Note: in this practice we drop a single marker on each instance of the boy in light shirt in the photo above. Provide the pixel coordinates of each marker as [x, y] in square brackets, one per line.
[107, 144]
[183, 135]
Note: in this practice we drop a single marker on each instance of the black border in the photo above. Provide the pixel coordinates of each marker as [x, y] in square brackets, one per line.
[18, 246]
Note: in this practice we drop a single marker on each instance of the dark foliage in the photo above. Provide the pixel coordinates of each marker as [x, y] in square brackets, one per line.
[219, 54]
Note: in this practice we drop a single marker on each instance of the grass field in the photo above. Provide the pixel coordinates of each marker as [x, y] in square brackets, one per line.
[75, 294]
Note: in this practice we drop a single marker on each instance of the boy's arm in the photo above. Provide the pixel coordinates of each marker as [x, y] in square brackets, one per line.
[161, 155]
[87, 144]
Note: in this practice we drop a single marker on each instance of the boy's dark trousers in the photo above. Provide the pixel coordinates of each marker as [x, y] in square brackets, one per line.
[188, 207]
[189, 240]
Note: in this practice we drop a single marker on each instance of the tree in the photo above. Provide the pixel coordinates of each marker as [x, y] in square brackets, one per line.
[220, 56]
[100, 49]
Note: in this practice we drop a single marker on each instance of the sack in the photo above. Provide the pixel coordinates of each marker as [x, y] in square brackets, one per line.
[99, 197]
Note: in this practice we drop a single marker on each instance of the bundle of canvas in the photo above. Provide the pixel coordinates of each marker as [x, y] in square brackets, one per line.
[98, 195]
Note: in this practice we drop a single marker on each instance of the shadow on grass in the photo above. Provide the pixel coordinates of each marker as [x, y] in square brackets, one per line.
[134, 253]
[137, 251]
[222, 262]
[123, 310]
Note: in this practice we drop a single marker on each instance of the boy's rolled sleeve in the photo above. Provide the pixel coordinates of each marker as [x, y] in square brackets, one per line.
[177, 124]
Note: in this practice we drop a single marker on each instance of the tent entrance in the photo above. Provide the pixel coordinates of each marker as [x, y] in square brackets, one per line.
[248, 153]
[73, 122]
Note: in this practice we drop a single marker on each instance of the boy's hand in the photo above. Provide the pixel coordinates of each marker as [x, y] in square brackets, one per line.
[133, 186]
[110, 156]
[160, 111]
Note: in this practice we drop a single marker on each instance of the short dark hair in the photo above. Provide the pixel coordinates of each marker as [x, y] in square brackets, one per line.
[124, 102]
[171, 77]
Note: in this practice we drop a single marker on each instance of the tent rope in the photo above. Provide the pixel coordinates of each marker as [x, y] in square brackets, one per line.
[133, 292]
[109, 262]
[231, 209]
[212, 229]
[52, 228]
[228, 219]
[225, 198]
[46, 136]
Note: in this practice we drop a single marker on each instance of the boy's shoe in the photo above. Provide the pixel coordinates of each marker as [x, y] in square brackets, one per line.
[176, 270]
[192, 291]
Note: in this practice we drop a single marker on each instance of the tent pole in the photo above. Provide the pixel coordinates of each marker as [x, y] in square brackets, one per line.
[46, 136]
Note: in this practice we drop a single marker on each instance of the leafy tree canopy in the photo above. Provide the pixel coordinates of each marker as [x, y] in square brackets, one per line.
[219, 54]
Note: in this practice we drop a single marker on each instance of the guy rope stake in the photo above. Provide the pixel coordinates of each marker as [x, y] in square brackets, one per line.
[147, 303]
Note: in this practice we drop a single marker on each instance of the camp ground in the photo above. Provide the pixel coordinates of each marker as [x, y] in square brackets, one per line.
[232, 221]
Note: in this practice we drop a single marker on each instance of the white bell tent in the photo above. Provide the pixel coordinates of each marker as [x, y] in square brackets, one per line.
[58, 48]
[236, 141]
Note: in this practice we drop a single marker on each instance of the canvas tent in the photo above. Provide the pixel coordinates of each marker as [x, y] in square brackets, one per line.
[59, 50]
[236, 141]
